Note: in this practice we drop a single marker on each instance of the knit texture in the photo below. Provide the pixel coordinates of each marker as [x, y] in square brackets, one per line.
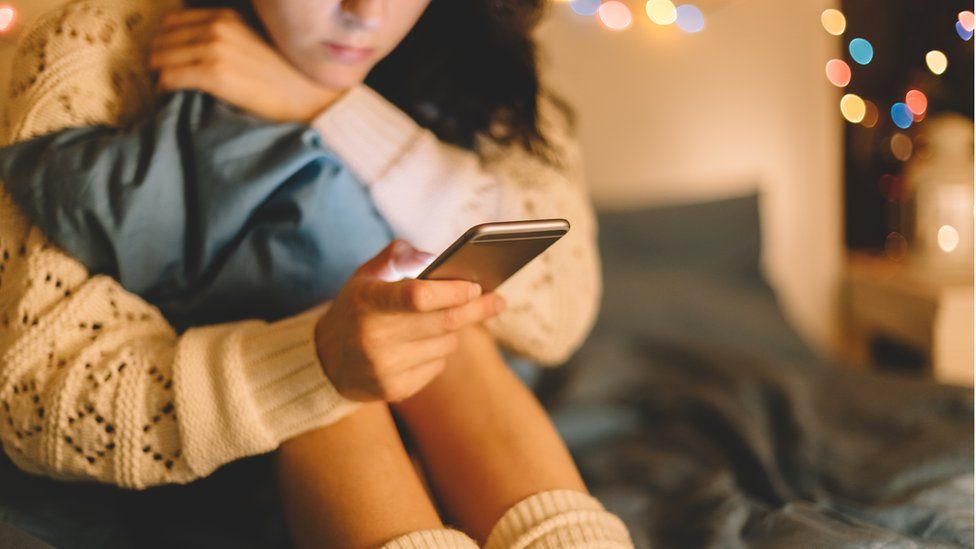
[96, 385]
[432, 539]
[559, 519]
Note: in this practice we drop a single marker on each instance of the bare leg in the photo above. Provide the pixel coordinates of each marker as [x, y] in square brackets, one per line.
[485, 440]
[352, 484]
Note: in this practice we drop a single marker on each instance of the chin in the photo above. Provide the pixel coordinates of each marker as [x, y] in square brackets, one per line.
[340, 76]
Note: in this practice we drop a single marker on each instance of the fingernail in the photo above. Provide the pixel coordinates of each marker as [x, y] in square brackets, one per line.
[474, 291]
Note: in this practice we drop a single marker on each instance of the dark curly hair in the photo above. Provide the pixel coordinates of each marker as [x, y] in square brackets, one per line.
[467, 68]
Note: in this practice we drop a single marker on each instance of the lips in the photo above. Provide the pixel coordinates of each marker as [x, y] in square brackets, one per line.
[348, 54]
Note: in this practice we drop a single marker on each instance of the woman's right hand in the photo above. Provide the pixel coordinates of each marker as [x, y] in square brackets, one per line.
[385, 340]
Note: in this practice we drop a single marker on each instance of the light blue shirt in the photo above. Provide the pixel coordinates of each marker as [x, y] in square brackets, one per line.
[205, 211]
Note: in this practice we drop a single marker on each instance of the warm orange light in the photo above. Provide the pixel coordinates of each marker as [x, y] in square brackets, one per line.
[833, 22]
[948, 238]
[870, 115]
[901, 146]
[916, 101]
[8, 16]
[661, 12]
[838, 72]
[936, 61]
[853, 108]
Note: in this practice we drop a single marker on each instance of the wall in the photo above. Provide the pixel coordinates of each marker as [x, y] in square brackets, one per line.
[667, 116]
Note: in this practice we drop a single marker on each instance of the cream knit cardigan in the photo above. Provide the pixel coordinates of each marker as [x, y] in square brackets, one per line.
[96, 385]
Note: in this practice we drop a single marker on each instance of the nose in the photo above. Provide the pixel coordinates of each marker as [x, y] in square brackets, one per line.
[367, 14]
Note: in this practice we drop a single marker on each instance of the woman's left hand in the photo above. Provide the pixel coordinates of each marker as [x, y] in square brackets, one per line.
[215, 51]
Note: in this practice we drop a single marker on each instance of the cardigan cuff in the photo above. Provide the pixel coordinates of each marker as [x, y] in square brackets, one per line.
[248, 386]
[288, 385]
[368, 132]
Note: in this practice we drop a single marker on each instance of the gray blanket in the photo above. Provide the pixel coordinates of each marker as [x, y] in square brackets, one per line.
[697, 414]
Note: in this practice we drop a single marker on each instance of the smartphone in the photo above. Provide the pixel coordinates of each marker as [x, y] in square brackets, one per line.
[490, 253]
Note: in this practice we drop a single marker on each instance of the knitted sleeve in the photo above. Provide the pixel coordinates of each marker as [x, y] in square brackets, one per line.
[94, 384]
[430, 192]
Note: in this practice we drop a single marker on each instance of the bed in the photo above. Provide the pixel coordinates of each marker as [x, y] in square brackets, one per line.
[697, 414]
[694, 412]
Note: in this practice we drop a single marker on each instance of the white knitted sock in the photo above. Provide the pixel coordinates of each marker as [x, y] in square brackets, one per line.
[559, 519]
[445, 538]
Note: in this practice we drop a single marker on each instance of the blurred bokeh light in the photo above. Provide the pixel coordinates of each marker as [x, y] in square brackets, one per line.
[862, 52]
[838, 72]
[689, 18]
[833, 21]
[852, 107]
[936, 61]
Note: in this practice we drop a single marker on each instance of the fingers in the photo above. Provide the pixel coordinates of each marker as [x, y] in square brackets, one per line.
[426, 350]
[180, 36]
[197, 16]
[169, 58]
[452, 319]
[195, 76]
[413, 380]
[420, 296]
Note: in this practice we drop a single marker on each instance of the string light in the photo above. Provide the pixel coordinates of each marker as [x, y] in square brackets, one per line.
[963, 32]
[901, 146]
[689, 18]
[615, 15]
[833, 21]
[661, 12]
[936, 61]
[916, 101]
[8, 16]
[861, 51]
[901, 115]
[838, 72]
[585, 7]
[948, 238]
[852, 107]
[870, 115]
[966, 20]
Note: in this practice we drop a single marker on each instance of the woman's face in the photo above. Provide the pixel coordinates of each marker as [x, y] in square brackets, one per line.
[337, 42]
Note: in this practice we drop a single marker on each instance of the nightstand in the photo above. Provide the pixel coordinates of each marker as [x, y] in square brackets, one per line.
[927, 311]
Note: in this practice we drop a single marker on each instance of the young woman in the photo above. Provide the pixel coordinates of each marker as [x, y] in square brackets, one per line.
[97, 386]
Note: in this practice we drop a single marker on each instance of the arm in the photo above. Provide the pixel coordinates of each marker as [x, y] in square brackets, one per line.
[94, 383]
[197, 206]
[431, 192]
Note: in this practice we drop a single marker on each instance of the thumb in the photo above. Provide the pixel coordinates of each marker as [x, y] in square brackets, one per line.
[394, 262]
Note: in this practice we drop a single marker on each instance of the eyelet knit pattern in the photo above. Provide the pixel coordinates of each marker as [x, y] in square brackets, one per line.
[95, 384]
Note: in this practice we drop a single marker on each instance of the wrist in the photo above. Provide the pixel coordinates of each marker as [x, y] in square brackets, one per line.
[315, 100]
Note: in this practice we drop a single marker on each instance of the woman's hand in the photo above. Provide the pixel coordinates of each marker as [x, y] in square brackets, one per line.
[384, 340]
[215, 51]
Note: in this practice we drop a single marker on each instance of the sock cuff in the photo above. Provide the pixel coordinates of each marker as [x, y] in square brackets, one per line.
[442, 538]
[559, 518]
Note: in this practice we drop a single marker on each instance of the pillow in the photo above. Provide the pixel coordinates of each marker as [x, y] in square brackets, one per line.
[720, 237]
